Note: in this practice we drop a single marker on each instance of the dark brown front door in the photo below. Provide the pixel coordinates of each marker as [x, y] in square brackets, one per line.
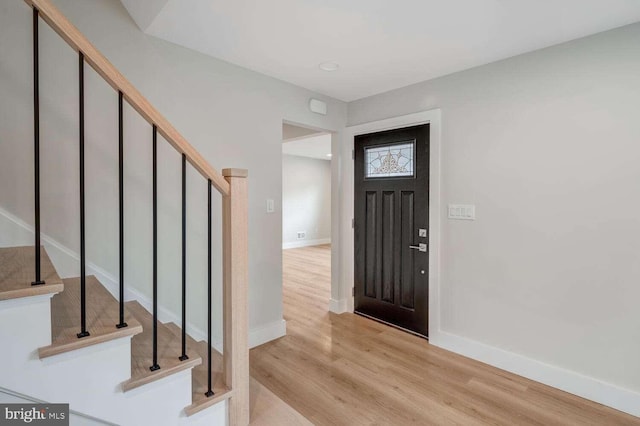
[391, 227]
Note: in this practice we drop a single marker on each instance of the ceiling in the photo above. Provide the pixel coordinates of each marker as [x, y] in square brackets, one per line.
[379, 44]
[317, 146]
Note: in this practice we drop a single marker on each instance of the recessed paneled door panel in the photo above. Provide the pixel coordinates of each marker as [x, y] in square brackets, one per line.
[391, 206]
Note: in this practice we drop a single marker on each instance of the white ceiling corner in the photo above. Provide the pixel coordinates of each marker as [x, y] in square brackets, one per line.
[380, 44]
[144, 12]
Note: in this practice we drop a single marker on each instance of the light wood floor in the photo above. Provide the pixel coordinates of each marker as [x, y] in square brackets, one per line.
[349, 370]
[269, 410]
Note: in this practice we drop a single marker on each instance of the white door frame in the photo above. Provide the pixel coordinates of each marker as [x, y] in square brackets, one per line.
[346, 302]
[336, 192]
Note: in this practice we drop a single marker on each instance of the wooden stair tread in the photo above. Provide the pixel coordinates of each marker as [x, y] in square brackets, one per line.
[17, 272]
[177, 332]
[102, 316]
[169, 349]
[199, 381]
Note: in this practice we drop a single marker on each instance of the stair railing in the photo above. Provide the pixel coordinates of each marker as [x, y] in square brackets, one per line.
[231, 184]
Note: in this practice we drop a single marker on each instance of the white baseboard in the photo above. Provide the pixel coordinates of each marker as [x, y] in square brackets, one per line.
[338, 306]
[16, 232]
[267, 332]
[305, 243]
[566, 380]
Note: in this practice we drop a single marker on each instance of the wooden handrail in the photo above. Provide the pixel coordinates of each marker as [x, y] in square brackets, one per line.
[111, 75]
[232, 184]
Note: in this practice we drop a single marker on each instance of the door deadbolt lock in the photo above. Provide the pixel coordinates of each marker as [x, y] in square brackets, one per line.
[421, 247]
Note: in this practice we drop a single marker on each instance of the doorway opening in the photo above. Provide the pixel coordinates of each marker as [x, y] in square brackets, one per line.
[306, 213]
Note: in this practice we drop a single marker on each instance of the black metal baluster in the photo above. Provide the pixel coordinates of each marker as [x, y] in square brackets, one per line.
[83, 259]
[155, 365]
[36, 144]
[184, 356]
[121, 323]
[209, 389]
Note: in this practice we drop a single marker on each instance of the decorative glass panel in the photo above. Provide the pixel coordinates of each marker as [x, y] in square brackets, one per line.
[389, 160]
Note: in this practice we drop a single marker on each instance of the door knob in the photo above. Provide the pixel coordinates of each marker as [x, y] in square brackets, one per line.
[421, 247]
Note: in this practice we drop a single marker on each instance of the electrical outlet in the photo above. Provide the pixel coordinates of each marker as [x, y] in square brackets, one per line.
[462, 212]
[302, 235]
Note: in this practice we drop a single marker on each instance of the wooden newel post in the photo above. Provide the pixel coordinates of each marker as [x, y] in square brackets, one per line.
[236, 283]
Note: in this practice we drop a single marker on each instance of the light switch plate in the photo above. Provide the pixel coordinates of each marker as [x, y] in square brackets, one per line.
[462, 212]
[271, 206]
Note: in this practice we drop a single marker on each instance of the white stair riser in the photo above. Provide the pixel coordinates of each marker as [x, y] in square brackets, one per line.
[89, 379]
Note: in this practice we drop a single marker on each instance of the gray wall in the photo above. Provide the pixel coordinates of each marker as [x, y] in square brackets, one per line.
[306, 198]
[231, 115]
[547, 146]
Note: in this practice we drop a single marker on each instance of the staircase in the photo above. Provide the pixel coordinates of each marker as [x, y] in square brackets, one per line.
[72, 341]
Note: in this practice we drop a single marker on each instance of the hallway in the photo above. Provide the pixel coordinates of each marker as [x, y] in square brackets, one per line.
[348, 370]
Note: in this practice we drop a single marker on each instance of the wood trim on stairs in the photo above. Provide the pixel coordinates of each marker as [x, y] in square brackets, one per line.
[16, 273]
[232, 184]
[102, 317]
[169, 349]
[235, 252]
[74, 38]
[199, 375]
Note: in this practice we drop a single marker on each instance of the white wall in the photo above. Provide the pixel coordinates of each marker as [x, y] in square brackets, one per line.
[546, 145]
[231, 115]
[306, 200]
